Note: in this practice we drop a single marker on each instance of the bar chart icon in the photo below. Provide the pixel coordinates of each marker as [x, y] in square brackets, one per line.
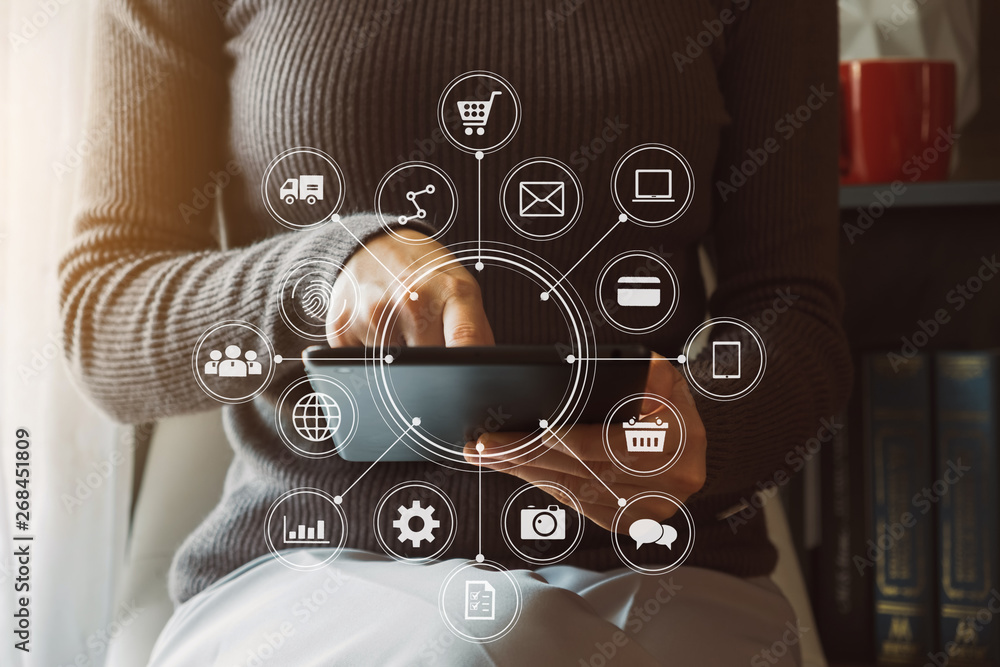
[304, 534]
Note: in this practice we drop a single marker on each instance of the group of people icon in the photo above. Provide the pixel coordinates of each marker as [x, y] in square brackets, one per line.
[232, 366]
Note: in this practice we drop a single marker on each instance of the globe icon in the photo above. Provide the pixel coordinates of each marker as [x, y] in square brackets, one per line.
[316, 417]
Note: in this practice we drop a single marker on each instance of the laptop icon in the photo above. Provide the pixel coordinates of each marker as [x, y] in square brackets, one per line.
[654, 185]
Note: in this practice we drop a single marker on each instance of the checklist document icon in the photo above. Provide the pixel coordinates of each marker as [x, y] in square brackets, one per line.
[479, 601]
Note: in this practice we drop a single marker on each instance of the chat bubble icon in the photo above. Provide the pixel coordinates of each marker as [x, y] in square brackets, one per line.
[645, 531]
[669, 536]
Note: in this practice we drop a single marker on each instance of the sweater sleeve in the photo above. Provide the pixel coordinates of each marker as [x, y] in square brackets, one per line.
[776, 239]
[142, 281]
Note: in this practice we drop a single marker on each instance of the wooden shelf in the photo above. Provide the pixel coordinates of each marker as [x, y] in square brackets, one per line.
[924, 195]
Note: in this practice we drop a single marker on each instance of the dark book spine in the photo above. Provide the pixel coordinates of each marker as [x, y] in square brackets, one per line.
[842, 600]
[900, 551]
[966, 483]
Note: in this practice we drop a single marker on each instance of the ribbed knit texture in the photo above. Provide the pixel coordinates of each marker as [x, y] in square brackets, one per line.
[180, 91]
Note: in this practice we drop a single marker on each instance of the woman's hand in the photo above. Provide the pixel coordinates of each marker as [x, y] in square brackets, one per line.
[557, 464]
[448, 310]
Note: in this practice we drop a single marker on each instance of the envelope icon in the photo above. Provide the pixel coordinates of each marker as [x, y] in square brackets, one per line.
[542, 199]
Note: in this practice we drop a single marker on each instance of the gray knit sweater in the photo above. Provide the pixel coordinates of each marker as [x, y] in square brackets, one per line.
[184, 90]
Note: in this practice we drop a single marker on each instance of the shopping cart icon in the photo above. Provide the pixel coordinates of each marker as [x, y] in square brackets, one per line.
[645, 436]
[475, 113]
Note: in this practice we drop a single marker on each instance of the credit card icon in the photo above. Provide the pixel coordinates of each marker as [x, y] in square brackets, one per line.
[639, 291]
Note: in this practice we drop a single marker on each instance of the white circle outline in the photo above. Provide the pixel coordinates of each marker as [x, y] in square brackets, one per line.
[340, 270]
[496, 567]
[615, 535]
[576, 184]
[334, 551]
[444, 125]
[305, 150]
[682, 426]
[389, 226]
[679, 212]
[583, 339]
[674, 283]
[196, 367]
[384, 543]
[287, 439]
[746, 327]
[565, 553]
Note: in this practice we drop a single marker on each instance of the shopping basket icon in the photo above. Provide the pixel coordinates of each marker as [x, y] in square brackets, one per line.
[475, 113]
[645, 436]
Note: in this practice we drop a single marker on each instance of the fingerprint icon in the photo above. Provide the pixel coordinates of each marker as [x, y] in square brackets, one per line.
[314, 293]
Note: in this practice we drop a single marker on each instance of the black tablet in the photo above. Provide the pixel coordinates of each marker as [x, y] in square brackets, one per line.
[425, 403]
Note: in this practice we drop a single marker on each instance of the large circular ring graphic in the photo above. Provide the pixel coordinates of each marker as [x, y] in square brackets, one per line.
[543, 194]
[627, 299]
[485, 257]
[653, 185]
[289, 532]
[469, 112]
[233, 373]
[732, 373]
[644, 439]
[303, 188]
[643, 532]
[544, 524]
[419, 201]
[429, 516]
[316, 418]
[308, 292]
[481, 596]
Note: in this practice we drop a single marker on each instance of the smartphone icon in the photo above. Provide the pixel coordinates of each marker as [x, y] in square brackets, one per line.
[726, 359]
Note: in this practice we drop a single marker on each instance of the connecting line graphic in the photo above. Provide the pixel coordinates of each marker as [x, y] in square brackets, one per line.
[413, 295]
[479, 209]
[546, 427]
[339, 499]
[572, 359]
[479, 553]
[621, 218]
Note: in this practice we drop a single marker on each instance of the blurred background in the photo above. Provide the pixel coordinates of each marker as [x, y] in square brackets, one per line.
[903, 253]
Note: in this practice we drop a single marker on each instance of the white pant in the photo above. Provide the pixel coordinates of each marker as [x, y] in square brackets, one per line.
[366, 609]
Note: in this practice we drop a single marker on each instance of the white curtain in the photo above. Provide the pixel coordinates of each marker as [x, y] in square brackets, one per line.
[81, 471]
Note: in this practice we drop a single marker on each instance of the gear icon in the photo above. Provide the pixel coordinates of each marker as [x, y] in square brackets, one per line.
[407, 514]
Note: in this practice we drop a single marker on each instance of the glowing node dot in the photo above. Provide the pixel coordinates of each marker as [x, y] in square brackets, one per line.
[621, 502]
[480, 447]
[544, 296]
[479, 156]
[335, 217]
[480, 266]
[570, 359]
[414, 296]
[338, 499]
[389, 358]
[480, 558]
[682, 359]
[278, 358]
[622, 218]
[543, 423]
[416, 421]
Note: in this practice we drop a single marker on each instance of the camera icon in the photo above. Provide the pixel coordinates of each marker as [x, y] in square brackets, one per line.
[543, 524]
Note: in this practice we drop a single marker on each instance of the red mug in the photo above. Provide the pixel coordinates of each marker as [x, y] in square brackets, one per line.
[897, 118]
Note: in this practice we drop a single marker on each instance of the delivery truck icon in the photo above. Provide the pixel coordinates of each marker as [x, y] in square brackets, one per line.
[308, 187]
